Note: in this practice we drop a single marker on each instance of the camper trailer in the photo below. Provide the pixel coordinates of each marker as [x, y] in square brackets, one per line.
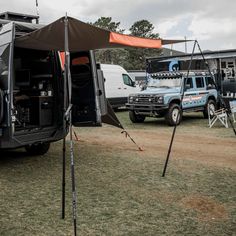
[32, 92]
[118, 84]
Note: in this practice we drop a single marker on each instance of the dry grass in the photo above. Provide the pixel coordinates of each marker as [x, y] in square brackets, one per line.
[120, 191]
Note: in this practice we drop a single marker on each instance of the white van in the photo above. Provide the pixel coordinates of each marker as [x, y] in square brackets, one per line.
[139, 76]
[118, 84]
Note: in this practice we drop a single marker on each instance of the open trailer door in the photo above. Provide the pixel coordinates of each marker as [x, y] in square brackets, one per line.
[87, 91]
[6, 55]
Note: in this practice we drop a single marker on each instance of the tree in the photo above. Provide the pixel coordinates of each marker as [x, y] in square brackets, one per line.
[107, 23]
[142, 28]
[110, 56]
[129, 58]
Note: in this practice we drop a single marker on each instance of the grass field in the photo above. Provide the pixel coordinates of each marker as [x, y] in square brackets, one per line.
[120, 190]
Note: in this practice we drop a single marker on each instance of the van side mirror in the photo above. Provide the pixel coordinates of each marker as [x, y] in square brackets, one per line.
[133, 83]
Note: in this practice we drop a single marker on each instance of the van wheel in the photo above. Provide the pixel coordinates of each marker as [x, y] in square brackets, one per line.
[212, 105]
[38, 149]
[136, 118]
[172, 114]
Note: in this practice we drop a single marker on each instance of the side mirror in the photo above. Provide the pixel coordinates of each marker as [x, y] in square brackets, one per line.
[210, 86]
[133, 83]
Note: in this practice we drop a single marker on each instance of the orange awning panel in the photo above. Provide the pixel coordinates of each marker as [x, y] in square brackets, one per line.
[134, 41]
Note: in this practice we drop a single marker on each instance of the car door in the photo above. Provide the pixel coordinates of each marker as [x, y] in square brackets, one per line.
[201, 95]
[128, 85]
[188, 93]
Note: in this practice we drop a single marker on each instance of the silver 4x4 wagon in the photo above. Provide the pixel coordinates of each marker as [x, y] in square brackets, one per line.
[163, 92]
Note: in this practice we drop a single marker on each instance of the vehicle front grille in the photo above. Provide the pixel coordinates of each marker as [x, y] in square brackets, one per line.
[143, 99]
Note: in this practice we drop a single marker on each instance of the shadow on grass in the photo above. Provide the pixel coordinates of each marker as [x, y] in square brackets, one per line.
[155, 122]
[16, 156]
[13, 154]
[193, 118]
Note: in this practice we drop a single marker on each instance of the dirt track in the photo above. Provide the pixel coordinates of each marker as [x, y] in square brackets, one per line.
[206, 149]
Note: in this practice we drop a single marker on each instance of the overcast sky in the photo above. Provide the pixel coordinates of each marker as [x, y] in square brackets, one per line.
[211, 22]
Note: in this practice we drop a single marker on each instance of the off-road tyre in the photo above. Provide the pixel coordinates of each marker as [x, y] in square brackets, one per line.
[37, 149]
[171, 115]
[211, 103]
[136, 118]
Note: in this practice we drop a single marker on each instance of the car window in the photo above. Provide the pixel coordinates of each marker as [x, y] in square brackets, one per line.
[189, 82]
[127, 80]
[199, 82]
[210, 81]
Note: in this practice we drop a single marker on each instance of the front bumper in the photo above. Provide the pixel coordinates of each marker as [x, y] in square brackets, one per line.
[155, 108]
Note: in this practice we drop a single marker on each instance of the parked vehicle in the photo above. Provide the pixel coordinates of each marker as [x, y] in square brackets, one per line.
[162, 96]
[32, 94]
[118, 84]
[139, 76]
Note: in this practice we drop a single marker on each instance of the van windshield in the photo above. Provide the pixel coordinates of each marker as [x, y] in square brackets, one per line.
[164, 83]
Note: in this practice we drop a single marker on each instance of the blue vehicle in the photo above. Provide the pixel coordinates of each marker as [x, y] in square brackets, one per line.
[163, 92]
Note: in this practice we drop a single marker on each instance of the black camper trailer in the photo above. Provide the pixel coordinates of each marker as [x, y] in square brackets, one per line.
[32, 91]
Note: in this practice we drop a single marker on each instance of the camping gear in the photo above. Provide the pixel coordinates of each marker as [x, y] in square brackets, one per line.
[69, 35]
[215, 115]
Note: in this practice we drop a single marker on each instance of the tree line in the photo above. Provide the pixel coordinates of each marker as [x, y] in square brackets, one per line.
[129, 58]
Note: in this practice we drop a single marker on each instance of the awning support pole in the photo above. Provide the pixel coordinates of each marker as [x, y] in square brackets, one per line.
[177, 118]
[65, 132]
[68, 118]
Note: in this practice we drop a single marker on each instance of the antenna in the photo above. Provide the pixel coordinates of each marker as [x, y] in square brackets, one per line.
[37, 11]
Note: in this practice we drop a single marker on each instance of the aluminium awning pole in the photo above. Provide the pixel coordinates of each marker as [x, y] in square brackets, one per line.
[68, 118]
[178, 115]
[64, 128]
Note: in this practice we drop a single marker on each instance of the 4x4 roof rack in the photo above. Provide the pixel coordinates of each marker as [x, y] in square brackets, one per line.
[177, 74]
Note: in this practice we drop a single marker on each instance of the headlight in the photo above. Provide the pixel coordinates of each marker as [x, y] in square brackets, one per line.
[131, 99]
[159, 99]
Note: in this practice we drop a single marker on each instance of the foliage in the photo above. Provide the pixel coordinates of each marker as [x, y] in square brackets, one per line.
[107, 23]
[110, 56]
[129, 58]
[144, 29]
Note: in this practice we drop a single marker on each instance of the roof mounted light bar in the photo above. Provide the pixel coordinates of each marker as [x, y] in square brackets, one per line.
[177, 74]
